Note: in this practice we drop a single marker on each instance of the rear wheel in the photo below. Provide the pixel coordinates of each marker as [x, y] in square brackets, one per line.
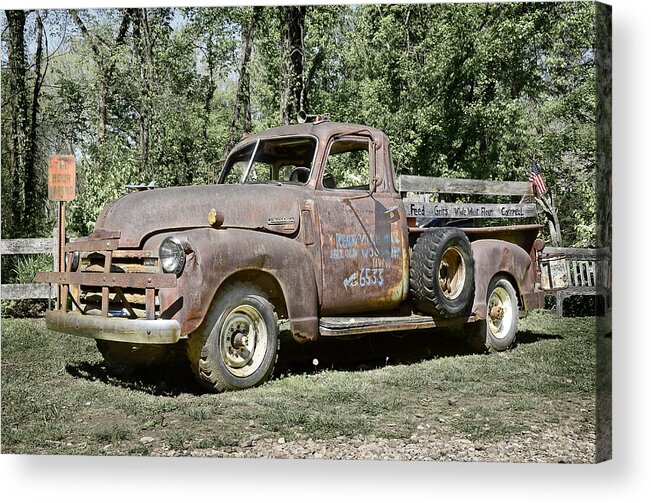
[237, 346]
[498, 331]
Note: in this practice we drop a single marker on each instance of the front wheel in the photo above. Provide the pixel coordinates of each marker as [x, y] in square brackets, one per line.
[498, 331]
[237, 346]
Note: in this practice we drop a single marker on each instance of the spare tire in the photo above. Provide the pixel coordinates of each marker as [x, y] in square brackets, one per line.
[442, 272]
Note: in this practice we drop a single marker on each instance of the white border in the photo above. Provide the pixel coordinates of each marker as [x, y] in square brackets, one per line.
[623, 479]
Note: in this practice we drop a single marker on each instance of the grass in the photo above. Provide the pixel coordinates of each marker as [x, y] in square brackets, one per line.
[59, 398]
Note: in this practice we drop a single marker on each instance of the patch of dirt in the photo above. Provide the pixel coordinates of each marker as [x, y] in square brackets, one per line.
[557, 444]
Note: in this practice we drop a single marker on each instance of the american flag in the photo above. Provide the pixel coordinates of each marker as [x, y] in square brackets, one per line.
[536, 179]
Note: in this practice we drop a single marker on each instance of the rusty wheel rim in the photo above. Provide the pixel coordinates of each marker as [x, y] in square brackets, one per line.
[452, 273]
[500, 312]
[243, 340]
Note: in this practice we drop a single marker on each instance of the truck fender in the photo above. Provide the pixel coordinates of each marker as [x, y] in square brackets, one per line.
[492, 257]
[215, 256]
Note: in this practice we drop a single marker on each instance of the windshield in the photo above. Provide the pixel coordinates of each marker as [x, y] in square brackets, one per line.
[271, 160]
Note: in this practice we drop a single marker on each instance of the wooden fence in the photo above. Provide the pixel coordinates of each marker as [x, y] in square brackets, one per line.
[34, 246]
[588, 272]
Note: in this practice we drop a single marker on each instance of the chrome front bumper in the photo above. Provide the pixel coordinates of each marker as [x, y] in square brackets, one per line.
[137, 331]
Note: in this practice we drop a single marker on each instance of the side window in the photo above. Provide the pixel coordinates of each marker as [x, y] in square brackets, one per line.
[348, 166]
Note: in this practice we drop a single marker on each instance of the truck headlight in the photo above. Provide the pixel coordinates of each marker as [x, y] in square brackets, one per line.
[171, 255]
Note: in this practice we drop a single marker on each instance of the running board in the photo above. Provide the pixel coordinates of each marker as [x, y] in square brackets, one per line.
[356, 325]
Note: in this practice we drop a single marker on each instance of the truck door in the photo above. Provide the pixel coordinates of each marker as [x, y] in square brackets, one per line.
[362, 249]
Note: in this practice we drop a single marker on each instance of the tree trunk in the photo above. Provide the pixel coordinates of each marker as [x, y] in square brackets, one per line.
[292, 94]
[32, 189]
[143, 47]
[316, 64]
[102, 98]
[546, 202]
[241, 118]
[19, 123]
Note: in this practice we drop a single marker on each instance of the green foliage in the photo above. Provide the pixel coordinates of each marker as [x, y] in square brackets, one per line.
[464, 90]
[26, 267]
[96, 188]
[23, 269]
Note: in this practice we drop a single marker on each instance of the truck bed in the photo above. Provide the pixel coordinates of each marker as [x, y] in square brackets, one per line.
[522, 235]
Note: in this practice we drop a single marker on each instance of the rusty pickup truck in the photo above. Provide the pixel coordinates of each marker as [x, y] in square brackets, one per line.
[308, 228]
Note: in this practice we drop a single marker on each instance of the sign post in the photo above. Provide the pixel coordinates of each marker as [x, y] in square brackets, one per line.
[61, 188]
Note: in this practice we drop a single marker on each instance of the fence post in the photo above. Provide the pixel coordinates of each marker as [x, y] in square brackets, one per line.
[559, 304]
[55, 262]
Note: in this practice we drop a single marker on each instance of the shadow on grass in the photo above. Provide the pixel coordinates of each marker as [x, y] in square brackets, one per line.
[531, 337]
[168, 379]
[380, 350]
[370, 351]
[360, 354]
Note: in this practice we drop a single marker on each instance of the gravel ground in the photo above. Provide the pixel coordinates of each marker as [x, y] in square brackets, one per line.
[555, 445]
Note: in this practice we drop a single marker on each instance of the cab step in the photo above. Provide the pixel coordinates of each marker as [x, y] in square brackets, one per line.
[356, 325]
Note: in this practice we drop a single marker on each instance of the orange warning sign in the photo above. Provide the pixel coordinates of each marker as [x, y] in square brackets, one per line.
[61, 179]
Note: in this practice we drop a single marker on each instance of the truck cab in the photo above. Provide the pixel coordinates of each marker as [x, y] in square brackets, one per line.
[352, 221]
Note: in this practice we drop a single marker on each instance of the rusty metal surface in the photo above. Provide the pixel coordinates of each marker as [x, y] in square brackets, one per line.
[364, 250]
[88, 245]
[143, 214]
[131, 261]
[493, 257]
[522, 235]
[98, 288]
[346, 326]
[534, 300]
[220, 256]
[123, 280]
[311, 281]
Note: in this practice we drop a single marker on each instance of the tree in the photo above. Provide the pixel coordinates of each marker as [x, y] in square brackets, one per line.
[241, 117]
[105, 57]
[462, 90]
[142, 44]
[24, 85]
[293, 91]
[17, 111]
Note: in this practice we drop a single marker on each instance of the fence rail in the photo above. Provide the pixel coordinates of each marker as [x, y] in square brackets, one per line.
[33, 246]
[588, 272]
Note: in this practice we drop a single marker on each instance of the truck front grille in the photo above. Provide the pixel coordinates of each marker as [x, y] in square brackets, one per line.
[122, 302]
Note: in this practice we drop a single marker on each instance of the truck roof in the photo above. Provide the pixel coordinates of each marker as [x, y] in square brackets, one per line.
[321, 130]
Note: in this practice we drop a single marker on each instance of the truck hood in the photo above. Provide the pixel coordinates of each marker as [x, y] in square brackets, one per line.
[136, 216]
